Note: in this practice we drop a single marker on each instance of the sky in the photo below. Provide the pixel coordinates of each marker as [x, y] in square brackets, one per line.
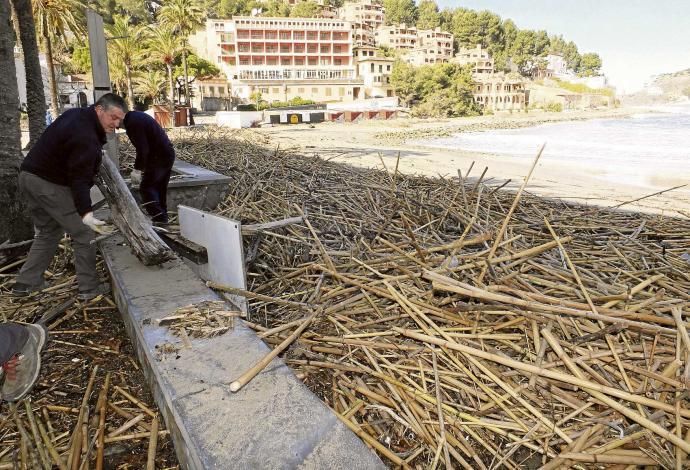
[635, 38]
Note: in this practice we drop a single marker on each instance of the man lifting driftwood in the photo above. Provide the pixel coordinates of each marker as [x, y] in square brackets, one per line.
[55, 181]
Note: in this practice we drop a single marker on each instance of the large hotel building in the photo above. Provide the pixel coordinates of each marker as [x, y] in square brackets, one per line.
[283, 58]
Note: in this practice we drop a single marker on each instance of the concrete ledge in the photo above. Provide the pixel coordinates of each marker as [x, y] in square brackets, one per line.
[273, 422]
[193, 186]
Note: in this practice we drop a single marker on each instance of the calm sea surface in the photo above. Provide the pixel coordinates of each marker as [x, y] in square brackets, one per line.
[648, 149]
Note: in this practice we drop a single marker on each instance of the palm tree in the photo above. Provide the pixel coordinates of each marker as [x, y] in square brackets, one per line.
[149, 84]
[126, 45]
[53, 19]
[183, 17]
[118, 75]
[35, 96]
[14, 225]
[164, 47]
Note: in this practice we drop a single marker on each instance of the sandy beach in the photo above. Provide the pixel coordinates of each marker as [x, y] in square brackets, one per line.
[375, 143]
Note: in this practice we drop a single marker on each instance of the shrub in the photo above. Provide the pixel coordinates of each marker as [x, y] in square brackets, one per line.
[553, 107]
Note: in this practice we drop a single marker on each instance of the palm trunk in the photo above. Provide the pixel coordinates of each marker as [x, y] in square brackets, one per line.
[172, 95]
[187, 98]
[14, 225]
[35, 96]
[15, 23]
[130, 90]
[54, 98]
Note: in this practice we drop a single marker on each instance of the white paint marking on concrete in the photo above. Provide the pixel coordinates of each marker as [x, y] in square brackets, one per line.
[222, 238]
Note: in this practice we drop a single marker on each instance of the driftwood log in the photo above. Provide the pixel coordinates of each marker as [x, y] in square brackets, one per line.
[129, 219]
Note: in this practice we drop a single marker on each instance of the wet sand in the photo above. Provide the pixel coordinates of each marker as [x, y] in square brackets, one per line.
[373, 144]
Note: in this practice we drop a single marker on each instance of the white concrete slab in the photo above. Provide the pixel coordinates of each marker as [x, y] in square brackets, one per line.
[222, 238]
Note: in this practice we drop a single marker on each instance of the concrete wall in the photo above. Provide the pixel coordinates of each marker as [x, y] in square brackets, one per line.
[238, 119]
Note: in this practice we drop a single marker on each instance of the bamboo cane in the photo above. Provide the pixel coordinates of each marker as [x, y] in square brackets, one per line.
[245, 378]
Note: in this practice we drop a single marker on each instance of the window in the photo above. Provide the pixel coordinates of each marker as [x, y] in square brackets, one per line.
[372, 68]
[314, 91]
[276, 91]
[300, 90]
[328, 91]
[388, 68]
[212, 90]
[263, 90]
[380, 68]
[341, 91]
[221, 90]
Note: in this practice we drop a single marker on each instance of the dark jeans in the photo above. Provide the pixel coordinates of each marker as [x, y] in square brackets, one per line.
[12, 339]
[154, 192]
[53, 213]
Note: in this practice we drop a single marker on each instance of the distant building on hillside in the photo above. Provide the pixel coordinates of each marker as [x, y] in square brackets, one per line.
[478, 57]
[417, 46]
[400, 37]
[369, 12]
[558, 65]
[500, 92]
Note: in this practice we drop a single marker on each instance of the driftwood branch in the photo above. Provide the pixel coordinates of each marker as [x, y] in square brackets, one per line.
[129, 219]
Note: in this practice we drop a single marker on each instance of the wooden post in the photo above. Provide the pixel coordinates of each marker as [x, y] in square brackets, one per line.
[99, 70]
[129, 219]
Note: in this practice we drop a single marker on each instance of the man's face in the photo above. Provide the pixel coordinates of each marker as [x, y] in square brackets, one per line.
[110, 118]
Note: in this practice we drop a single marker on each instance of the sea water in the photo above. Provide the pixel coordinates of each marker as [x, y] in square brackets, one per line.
[650, 149]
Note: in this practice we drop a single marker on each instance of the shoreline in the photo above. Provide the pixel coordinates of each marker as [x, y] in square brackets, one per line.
[379, 144]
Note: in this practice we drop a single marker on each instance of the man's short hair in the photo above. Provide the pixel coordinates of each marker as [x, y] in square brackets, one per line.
[110, 100]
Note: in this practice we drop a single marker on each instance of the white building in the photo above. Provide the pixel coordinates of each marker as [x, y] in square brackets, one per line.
[375, 72]
[74, 91]
[478, 57]
[282, 58]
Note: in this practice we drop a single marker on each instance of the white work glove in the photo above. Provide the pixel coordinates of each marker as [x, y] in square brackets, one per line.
[135, 177]
[93, 223]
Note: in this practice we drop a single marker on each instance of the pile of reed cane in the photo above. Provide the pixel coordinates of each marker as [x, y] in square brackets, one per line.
[201, 320]
[460, 324]
[90, 407]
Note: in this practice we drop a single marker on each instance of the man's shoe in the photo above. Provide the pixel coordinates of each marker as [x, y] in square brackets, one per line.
[22, 290]
[22, 370]
[95, 292]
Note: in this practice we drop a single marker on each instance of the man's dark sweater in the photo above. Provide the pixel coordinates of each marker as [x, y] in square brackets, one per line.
[153, 147]
[68, 153]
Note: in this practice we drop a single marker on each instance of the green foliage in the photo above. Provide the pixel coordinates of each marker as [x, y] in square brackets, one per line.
[276, 8]
[590, 64]
[507, 44]
[307, 9]
[400, 11]
[79, 61]
[197, 67]
[439, 90]
[296, 101]
[471, 28]
[387, 51]
[229, 8]
[149, 84]
[527, 48]
[182, 16]
[582, 88]
[404, 81]
[141, 12]
[553, 107]
[428, 16]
